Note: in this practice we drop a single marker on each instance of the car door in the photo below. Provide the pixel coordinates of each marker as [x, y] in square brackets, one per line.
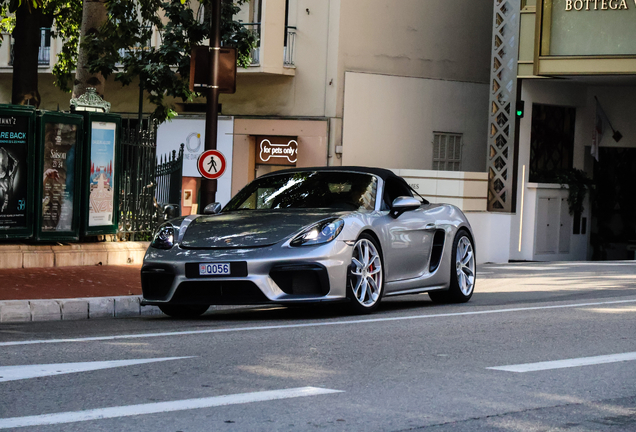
[408, 238]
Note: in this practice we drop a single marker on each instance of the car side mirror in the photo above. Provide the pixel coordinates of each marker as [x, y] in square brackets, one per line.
[403, 204]
[214, 208]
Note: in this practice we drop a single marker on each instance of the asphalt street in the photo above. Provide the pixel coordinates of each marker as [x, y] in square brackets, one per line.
[540, 347]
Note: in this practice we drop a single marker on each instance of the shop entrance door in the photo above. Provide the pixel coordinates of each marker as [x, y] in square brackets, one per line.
[614, 208]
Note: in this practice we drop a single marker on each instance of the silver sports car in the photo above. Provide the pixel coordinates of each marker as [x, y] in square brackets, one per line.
[331, 234]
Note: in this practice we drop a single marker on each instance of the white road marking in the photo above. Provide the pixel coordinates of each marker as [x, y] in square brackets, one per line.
[560, 364]
[160, 407]
[14, 373]
[523, 268]
[315, 324]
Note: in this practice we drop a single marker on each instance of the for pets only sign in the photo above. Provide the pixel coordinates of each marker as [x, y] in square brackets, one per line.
[276, 150]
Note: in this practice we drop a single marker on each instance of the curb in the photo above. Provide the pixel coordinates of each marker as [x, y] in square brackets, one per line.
[74, 309]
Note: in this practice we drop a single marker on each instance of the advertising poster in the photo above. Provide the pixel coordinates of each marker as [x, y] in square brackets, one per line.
[58, 177]
[102, 191]
[13, 171]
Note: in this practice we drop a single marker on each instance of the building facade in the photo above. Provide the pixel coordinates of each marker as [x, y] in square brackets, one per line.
[403, 85]
[574, 93]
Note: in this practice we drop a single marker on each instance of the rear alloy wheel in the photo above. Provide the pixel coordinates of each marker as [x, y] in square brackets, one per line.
[463, 273]
[184, 311]
[365, 283]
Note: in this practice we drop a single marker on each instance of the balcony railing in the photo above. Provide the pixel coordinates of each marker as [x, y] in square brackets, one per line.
[44, 52]
[136, 49]
[290, 45]
[256, 51]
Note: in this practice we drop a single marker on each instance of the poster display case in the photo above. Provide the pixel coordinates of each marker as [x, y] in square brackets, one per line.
[100, 198]
[17, 141]
[58, 176]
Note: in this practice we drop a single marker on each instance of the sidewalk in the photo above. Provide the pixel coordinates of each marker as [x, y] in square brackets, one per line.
[84, 292]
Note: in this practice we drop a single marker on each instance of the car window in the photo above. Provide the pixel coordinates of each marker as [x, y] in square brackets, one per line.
[329, 189]
[394, 188]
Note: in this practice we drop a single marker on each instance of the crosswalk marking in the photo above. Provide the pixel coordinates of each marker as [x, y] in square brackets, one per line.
[568, 363]
[14, 373]
[160, 407]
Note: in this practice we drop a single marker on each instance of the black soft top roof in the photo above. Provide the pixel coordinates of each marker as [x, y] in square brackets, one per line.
[380, 172]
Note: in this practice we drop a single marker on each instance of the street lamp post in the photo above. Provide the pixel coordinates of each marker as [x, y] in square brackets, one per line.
[208, 187]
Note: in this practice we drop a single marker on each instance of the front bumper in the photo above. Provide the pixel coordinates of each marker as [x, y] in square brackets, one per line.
[273, 274]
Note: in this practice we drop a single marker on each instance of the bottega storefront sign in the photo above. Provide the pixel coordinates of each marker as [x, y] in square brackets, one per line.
[588, 28]
[595, 5]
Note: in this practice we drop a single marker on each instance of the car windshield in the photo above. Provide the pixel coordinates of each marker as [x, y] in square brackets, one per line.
[314, 189]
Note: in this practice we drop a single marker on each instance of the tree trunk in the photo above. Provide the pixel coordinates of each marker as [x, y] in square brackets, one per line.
[25, 56]
[93, 16]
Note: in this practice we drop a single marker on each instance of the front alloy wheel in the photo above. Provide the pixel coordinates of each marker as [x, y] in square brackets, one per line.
[465, 266]
[365, 283]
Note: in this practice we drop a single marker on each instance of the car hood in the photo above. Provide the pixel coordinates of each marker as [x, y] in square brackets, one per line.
[254, 228]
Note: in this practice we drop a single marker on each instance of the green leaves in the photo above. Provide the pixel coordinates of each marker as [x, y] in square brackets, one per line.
[123, 45]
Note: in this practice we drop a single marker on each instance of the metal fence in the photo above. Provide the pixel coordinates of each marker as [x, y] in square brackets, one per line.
[138, 216]
[168, 178]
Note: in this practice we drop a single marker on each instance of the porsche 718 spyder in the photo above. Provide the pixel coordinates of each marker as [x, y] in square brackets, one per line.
[312, 235]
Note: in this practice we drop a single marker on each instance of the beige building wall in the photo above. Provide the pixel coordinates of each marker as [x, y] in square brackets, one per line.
[389, 121]
[440, 39]
[429, 39]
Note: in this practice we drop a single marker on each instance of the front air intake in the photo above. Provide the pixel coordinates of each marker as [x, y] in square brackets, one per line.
[301, 279]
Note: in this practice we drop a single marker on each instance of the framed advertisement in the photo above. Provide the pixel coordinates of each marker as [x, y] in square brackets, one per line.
[100, 197]
[17, 137]
[58, 176]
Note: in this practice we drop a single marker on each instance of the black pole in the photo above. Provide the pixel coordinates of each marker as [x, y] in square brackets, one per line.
[208, 187]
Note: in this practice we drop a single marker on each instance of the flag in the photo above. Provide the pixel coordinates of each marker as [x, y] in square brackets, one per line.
[599, 129]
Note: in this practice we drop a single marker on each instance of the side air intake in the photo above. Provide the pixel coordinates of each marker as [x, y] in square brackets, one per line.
[438, 248]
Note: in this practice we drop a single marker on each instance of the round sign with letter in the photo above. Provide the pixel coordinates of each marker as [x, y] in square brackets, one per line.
[211, 164]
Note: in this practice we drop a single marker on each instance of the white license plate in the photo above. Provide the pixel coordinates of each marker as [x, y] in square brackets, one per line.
[206, 269]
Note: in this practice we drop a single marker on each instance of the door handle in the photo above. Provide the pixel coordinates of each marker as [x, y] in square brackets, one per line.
[430, 227]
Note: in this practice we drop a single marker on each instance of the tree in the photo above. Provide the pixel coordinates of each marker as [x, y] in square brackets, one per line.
[24, 19]
[121, 46]
[93, 16]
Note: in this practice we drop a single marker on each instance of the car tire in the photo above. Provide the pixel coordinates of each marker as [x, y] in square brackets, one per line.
[365, 277]
[184, 311]
[463, 274]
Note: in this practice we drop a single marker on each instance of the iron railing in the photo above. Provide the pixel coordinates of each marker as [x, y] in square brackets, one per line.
[44, 52]
[138, 215]
[168, 178]
[255, 54]
[290, 46]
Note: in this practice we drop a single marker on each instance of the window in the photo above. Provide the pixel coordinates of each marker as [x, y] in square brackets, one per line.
[551, 141]
[447, 151]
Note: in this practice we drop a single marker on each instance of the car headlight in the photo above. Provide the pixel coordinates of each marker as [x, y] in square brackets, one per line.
[164, 237]
[322, 232]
